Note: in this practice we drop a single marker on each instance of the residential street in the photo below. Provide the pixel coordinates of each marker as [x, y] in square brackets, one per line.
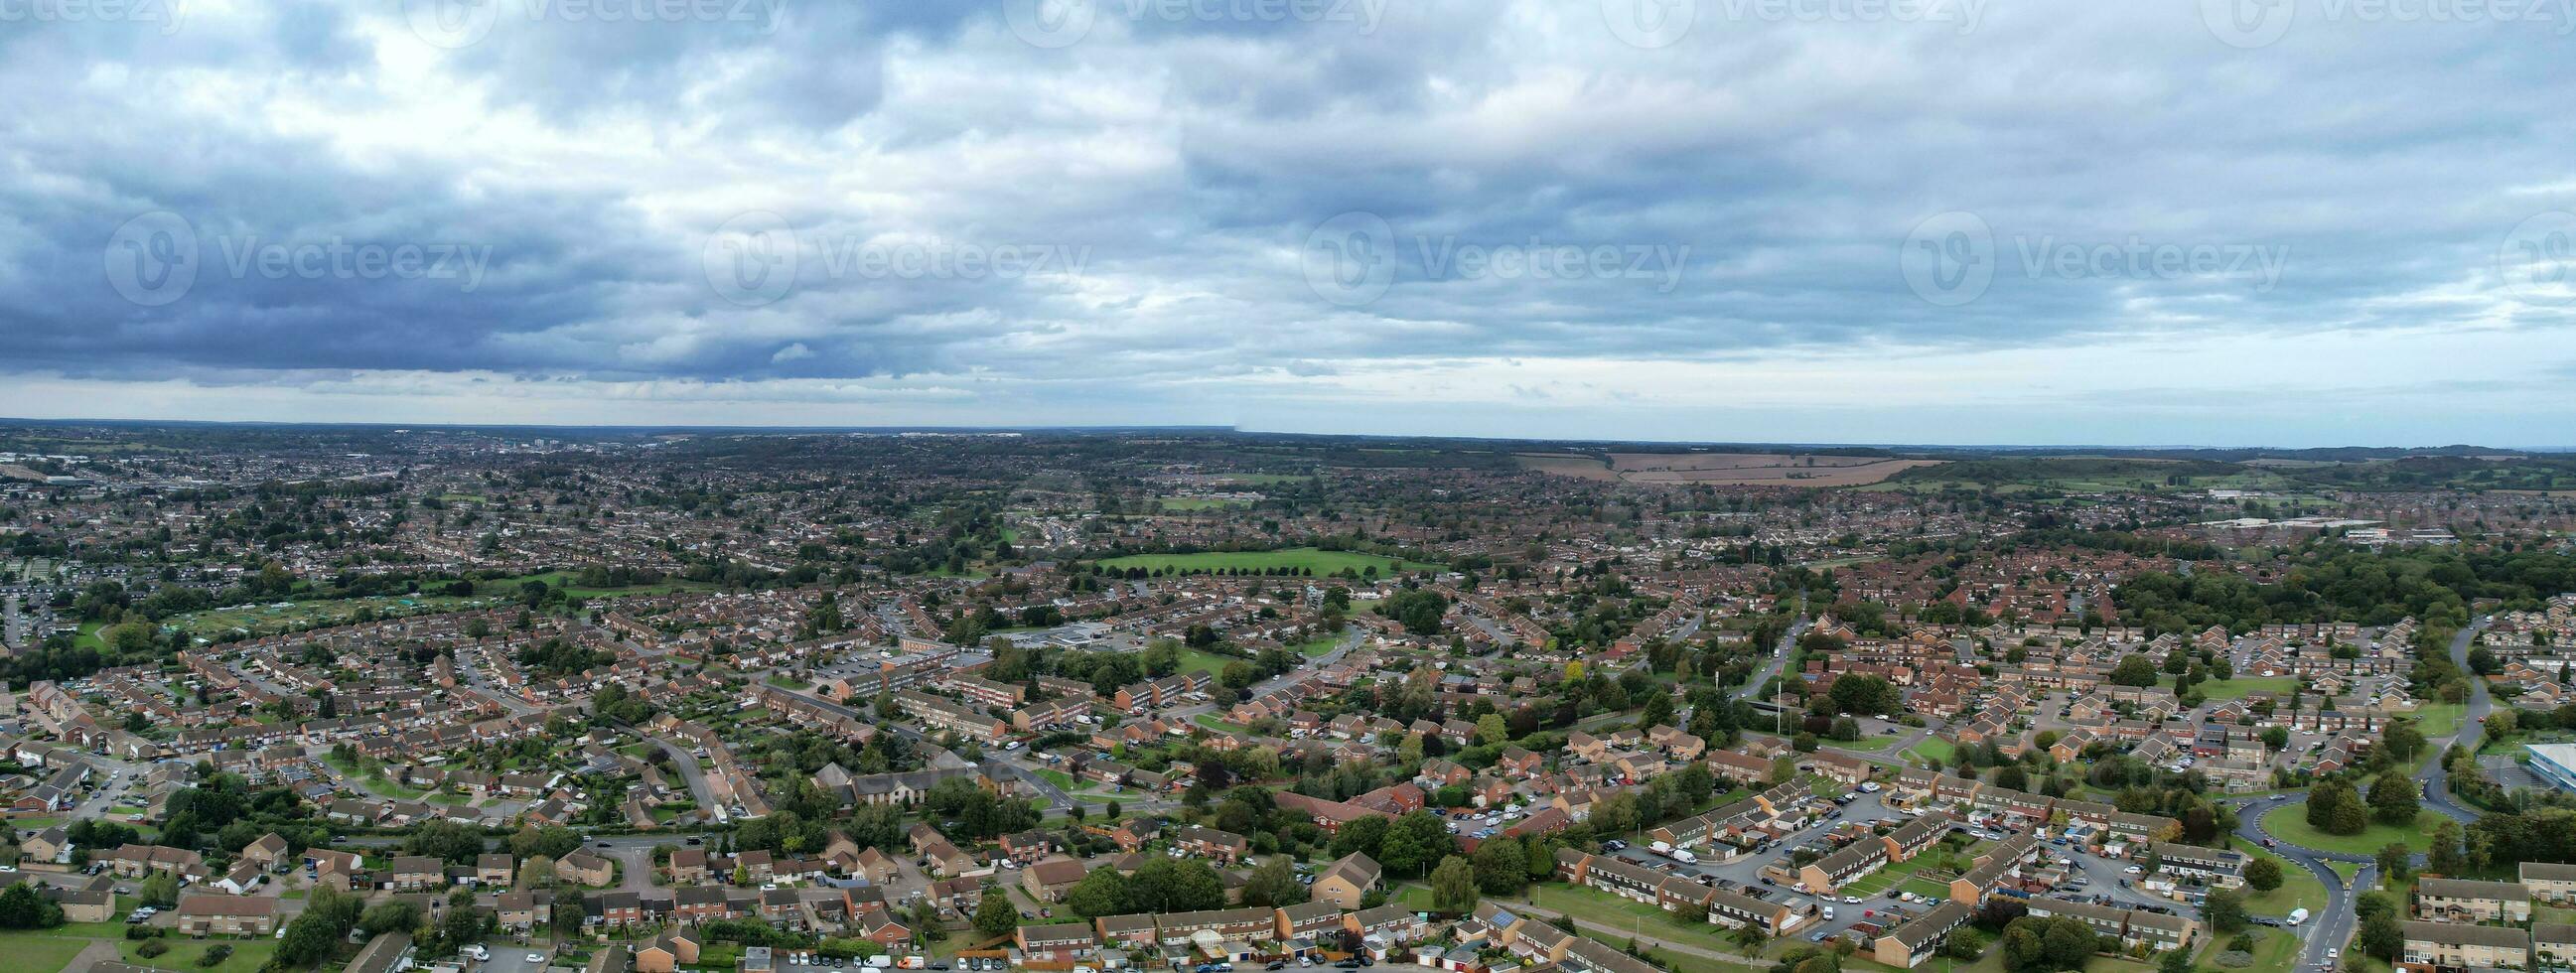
[2436, 780]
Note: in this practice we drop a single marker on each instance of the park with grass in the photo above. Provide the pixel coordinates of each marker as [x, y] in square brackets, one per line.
[2289, 823]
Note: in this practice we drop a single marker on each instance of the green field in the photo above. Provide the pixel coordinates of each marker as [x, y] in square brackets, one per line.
[1864, 743]
[2299, 887]
[2243, 686]
[2290, 824]
[1613, 914]
[2438, 720]
[1193, 504]
[248, 954]
[41, 952]
[1934, 750]
[1320, 562]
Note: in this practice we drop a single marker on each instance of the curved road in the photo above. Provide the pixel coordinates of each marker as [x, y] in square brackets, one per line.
[2437, 784]
[2333, 926]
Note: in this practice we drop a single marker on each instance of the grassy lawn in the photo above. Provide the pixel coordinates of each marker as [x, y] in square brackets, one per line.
[1057, 777]
[1210, 721]
[1186, 504]
[1864, 743]
[248, 954]
[2438, 720]
[2299, 887]
[40, 952]
[1193, 660]
[1317, 647]
[2243, 686]
[1934, 750]
[1618, 917]
[2275, 950]
[1320, 562]
[2290, 824]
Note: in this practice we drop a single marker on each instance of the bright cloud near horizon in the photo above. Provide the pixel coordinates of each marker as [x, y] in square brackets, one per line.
[2226, 222]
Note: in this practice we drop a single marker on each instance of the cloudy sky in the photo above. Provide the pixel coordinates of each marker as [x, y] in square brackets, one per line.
[2285, 222]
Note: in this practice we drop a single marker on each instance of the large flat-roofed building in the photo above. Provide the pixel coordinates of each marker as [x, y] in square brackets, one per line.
[2555, 763]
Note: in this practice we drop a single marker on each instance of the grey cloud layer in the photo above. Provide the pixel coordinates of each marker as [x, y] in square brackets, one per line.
[1186, 159]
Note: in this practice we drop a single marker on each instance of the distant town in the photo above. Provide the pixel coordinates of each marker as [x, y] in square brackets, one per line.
[459, 699]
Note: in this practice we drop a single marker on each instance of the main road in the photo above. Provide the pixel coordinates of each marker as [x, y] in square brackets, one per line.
[2334, 924]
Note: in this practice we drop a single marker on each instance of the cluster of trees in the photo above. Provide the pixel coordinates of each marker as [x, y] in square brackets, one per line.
[979, 813]
[1419, 610]
[2042, 945]
[2329, 581]
[1866, 695]
[1164, 884]
[612, 702]
[556, 657]
[2336, 807]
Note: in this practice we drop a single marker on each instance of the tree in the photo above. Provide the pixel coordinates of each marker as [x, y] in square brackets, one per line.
[1502, 867]
[1274, 884]
[2174, 961]
[2134, 670]
[1453, 885]
[2392, 799]
[1101, 893]
[390, 916]
[1364, 834]
[995, 917]
[1414, 842]
[2333, 808]
[2379, 936]
[2264, 874]
[22, 908]
[2225, 910]
[1174, 885]
[2444, 855]
[160, 891]
[2394, 859]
